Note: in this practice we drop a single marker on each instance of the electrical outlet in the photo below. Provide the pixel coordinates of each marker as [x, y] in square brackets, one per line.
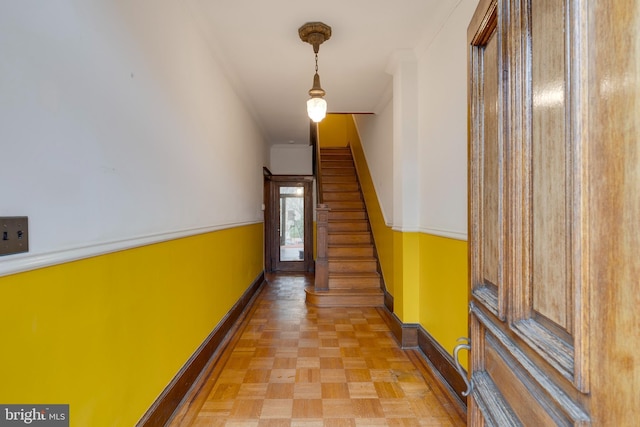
[14, 235]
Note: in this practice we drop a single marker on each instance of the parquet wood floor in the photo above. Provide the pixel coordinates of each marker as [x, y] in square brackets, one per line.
[290, 364]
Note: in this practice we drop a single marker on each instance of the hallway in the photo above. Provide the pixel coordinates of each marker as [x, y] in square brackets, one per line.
[290, 364]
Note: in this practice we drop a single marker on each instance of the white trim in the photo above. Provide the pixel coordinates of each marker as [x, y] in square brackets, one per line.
[398, 57]
[383, 101]
[406, 229]
[22, 263]
[445, 233]
[433, 231]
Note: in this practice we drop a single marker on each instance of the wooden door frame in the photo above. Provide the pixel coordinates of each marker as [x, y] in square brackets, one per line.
[271, 223]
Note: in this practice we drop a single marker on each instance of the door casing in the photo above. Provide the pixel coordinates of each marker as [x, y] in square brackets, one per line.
[272, 223]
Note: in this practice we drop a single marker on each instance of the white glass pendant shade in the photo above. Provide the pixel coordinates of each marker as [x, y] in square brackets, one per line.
[317, 109]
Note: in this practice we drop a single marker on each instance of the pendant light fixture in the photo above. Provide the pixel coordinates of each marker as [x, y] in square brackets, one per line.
[315, 33]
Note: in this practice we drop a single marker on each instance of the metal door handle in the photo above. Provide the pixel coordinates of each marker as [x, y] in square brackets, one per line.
[465, 343]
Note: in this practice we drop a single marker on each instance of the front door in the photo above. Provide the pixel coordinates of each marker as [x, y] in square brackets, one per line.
[289, 224]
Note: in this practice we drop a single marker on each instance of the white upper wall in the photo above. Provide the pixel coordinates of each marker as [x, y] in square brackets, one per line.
[442, 70]
[376, 136]
[117, 126]
[291, 159]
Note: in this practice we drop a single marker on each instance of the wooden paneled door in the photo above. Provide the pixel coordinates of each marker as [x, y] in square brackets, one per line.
[554, 268]
[288, 223]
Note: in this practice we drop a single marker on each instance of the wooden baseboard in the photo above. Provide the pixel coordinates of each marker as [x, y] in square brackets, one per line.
[166, 404]
[414, 336]
[388, 298]
[406, 333]
[443, 365]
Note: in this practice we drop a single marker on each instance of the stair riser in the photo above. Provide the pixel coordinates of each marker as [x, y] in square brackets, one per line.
[338, 171]
[355, 215]
[358, 251]
[352, 266]
[347, 239]
[338, 179]
[354, 283]
[345, 301]
[343, 159]
[348, 226]
[349, 196]
[335, 204]
[333, 153]
[347, 186]
[335, 163]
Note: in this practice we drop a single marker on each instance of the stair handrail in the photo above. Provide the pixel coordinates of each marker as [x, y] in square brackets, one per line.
[321, 282]
[317, 161]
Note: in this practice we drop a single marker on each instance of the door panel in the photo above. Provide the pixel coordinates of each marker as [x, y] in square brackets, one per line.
[488, 171]
[547, 190]
[491, 170]
[549, 157]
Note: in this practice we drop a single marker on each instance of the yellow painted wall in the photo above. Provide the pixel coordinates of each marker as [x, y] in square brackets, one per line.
[443, 290]
[107, 334]
[333, 130]
[407, 267]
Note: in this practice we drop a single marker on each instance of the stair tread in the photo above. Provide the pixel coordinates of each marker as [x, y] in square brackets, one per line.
[350, 245]
[347, 209]
[354, 274]
[352, 291]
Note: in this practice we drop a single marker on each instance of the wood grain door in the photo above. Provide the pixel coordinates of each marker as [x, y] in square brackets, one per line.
[533, 316]
[288, 223]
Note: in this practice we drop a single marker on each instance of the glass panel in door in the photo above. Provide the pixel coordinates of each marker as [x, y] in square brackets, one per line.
[291, 224]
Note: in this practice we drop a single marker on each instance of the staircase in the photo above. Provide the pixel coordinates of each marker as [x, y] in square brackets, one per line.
[352, 266]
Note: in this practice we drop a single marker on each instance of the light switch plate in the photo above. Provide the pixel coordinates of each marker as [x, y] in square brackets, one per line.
[14, 235]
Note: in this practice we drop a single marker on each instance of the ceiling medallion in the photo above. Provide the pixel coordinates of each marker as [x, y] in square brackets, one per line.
[315, 33]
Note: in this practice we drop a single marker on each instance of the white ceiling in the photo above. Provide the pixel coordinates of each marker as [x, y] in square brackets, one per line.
[272, 69]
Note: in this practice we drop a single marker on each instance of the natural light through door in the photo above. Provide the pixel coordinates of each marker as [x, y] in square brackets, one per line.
[291, 223]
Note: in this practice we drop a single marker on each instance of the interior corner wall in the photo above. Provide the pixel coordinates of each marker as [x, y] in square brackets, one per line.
[140, 170]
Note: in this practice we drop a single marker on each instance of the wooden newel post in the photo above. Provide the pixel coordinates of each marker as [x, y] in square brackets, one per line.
[322, 262]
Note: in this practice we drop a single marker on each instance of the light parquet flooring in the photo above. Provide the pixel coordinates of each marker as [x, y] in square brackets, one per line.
[290, 364]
